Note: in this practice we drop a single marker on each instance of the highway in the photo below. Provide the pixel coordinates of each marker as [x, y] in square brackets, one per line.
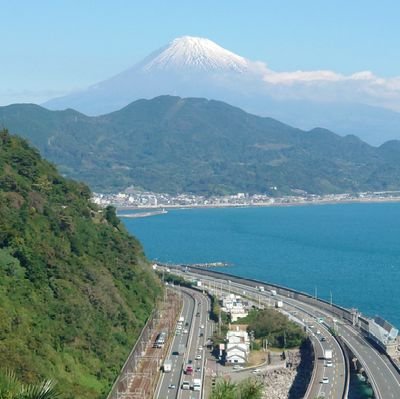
[334, 372]
[384, 377]
[187, 347]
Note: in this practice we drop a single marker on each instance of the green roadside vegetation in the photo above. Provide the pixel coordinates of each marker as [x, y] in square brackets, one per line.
[275, 327]
[75, 287]
[249, 388]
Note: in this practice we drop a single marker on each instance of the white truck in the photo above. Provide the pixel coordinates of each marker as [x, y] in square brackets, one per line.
[278, 304]
[196, 384]
[167, 366]
[328, 354]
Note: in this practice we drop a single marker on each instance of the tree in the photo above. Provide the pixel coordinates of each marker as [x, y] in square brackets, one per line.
[12, 388]
[250, 389]
[247, 389]
[224, 390]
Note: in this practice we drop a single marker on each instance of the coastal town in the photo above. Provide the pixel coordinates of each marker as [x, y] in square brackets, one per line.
[133, 198]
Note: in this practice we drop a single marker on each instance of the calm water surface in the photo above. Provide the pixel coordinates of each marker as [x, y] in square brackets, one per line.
[349, 250]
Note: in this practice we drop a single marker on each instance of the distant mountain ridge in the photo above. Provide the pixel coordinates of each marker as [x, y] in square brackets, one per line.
[198, 67]
[171, 144]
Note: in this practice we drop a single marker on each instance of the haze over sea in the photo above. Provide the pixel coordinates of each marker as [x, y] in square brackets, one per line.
[351, 250]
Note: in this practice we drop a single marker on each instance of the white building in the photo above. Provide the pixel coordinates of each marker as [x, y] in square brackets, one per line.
[237, 347]
[233, 305]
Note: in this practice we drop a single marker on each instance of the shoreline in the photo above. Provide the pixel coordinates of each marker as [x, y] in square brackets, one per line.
[259, 205]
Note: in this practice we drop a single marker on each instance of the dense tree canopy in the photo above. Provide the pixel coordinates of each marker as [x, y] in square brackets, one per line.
[75, 288]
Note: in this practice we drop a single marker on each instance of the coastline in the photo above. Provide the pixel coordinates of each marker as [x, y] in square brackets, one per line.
[257, 205]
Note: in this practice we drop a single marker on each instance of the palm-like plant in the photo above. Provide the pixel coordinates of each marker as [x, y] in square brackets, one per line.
[12, 388]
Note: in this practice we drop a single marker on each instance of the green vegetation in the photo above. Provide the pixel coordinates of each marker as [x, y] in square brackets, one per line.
[274, 326]
[170, 144]
[75, 288]
[12, 388]
[249, 388]
[174, 279]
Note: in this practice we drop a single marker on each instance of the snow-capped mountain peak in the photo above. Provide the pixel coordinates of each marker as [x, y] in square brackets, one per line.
[196, 53]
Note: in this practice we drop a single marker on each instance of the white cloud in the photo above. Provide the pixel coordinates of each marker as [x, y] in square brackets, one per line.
[326, 85]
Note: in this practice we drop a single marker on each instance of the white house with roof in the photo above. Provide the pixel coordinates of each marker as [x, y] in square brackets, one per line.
[237, 348]
[234, 305]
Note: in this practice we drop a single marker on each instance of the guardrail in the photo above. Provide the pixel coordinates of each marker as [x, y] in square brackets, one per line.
[302, 297]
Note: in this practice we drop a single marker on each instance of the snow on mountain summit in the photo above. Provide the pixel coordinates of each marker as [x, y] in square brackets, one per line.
[195, 53]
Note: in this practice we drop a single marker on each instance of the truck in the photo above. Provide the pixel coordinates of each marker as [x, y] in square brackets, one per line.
[181, 319]
[167, 366]
[328, 354]
[278, 304]
[196, 384]
[261, 288]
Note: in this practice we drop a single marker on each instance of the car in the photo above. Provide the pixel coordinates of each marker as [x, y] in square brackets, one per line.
[325, 380]
[185, 331]
[256, 371]
[190, 361]
[198, 357]
[318, 332]
[171, 386]
[198, 369]
[202, 326]
[197, 314]
[185, 385]
[201, 335]
[329, 363]
[200, 348]
[323, 339]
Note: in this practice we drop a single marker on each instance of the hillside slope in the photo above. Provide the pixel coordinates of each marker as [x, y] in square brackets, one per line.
[75, 288]
[171, 144]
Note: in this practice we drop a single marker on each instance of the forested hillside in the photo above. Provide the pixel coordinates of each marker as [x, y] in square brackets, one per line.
[171, 144]
[75, 288]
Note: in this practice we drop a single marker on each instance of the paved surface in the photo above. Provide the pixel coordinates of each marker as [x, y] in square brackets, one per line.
[195, 314]
[384, 377]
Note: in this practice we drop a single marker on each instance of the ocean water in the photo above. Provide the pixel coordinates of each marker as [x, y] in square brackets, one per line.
[351, 251]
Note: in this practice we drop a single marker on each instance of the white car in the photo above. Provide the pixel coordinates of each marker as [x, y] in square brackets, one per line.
[198, 357]
[325, 380]
[185, 331]
[329, 363]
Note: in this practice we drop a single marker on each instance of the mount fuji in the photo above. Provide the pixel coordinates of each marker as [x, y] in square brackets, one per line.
[198, 67]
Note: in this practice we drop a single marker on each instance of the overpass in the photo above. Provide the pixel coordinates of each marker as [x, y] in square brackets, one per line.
[347, 323]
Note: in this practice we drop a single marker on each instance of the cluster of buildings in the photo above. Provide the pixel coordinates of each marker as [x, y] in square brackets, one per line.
[143, 199]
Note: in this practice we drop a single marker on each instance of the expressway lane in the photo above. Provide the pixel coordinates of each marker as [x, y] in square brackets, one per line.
[327, 381]
[173, 377]
[383, 375]
[185, 347]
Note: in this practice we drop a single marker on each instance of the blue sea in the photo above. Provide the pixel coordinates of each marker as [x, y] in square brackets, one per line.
[349, 251]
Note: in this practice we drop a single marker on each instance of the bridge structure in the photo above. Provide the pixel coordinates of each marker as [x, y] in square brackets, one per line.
[373, 342]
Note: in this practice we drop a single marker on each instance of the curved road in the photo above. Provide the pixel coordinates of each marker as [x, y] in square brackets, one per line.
[383, 375]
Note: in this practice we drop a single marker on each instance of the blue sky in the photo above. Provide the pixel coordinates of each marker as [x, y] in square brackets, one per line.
[51, 47]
